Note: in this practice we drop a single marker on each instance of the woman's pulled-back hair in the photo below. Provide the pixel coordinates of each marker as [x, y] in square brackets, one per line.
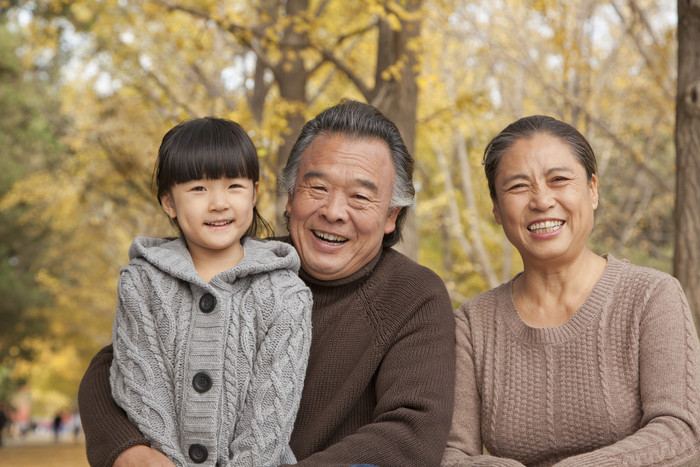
[211, 148]
[527, 127]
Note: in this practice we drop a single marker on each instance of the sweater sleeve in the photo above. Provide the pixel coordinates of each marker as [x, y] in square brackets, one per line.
[141, 375]
[262, 433]
[108, 431]
[464, 444]
[414, 389]
[669, 389]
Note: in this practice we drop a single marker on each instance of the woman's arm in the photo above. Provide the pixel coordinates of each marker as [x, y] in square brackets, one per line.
[464, 445]
[669, 389]
[262, 432]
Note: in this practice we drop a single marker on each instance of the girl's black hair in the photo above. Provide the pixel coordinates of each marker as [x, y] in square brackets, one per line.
[212, 148]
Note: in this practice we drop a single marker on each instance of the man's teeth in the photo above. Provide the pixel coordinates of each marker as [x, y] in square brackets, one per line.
[546, 226]
[329, 237]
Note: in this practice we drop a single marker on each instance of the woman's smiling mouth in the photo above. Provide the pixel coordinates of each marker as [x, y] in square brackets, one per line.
[545, 226]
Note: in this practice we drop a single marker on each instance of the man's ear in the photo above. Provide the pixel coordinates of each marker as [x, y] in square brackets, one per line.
[390, 224]
[166, 201]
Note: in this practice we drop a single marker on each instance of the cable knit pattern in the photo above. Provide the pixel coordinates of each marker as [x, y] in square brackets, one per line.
[252, 347]
[380, 379]
[615, 385]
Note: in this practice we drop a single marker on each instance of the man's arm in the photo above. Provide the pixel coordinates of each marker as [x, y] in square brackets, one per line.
[108, 431]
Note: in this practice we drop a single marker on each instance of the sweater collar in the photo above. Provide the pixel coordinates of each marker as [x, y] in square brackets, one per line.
[360, 274]
[173, 257]
[591, 307]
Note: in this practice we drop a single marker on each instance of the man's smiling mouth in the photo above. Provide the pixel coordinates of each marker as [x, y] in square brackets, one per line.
[329, 237]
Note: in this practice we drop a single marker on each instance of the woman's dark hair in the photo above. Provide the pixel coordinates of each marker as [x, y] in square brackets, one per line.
[527, 127]
[212, 148]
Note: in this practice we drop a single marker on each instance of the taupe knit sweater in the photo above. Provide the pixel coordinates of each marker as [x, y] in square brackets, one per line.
[212, 372]
[615, 385]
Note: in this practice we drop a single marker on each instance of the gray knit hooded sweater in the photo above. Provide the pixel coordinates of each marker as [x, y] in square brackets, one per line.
[212, 372]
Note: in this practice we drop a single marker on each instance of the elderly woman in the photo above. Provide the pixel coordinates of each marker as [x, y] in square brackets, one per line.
[579, 360]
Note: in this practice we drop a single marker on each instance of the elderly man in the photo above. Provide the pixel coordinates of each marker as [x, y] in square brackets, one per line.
[379, 383]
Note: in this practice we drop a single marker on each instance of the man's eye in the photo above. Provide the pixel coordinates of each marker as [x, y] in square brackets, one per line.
[361, 197]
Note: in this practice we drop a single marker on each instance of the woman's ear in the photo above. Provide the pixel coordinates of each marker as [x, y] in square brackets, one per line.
[166, 201]
[496, 212]
[593, 186]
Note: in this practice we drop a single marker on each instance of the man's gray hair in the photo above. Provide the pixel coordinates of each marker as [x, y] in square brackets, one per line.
[360, 121]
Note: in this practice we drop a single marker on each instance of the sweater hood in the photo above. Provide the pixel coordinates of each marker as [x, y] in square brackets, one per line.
[173, 257]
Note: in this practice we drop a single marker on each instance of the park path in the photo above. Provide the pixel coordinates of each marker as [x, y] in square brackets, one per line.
[41, 450]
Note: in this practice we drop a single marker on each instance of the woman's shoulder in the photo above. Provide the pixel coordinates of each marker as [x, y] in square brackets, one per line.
[488, 301]
[638, 277]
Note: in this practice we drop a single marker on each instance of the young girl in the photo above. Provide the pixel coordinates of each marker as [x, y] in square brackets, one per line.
[212, 331]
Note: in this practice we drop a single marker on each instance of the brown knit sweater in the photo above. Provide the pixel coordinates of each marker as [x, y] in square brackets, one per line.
[379, 386]
[615, 385]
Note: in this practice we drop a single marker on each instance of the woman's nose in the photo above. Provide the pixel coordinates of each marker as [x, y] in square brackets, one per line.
[542, 199]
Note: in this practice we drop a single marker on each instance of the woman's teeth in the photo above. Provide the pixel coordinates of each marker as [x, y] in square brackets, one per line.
[544, 227]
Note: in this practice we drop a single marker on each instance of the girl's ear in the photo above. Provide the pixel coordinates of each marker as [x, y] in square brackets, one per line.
[166, 201]
[255, 193]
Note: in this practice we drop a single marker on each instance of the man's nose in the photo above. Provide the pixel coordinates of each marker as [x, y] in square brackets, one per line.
[336, 208]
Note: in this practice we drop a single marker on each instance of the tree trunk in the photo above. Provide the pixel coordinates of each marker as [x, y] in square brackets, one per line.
[291, 78]
[397, 96]
[686, 260]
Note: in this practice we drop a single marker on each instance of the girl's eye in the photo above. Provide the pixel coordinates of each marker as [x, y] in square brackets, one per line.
[198, 188]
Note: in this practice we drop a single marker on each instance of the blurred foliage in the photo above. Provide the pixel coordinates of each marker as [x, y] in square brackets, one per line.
[109, 77]
[28, 142]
